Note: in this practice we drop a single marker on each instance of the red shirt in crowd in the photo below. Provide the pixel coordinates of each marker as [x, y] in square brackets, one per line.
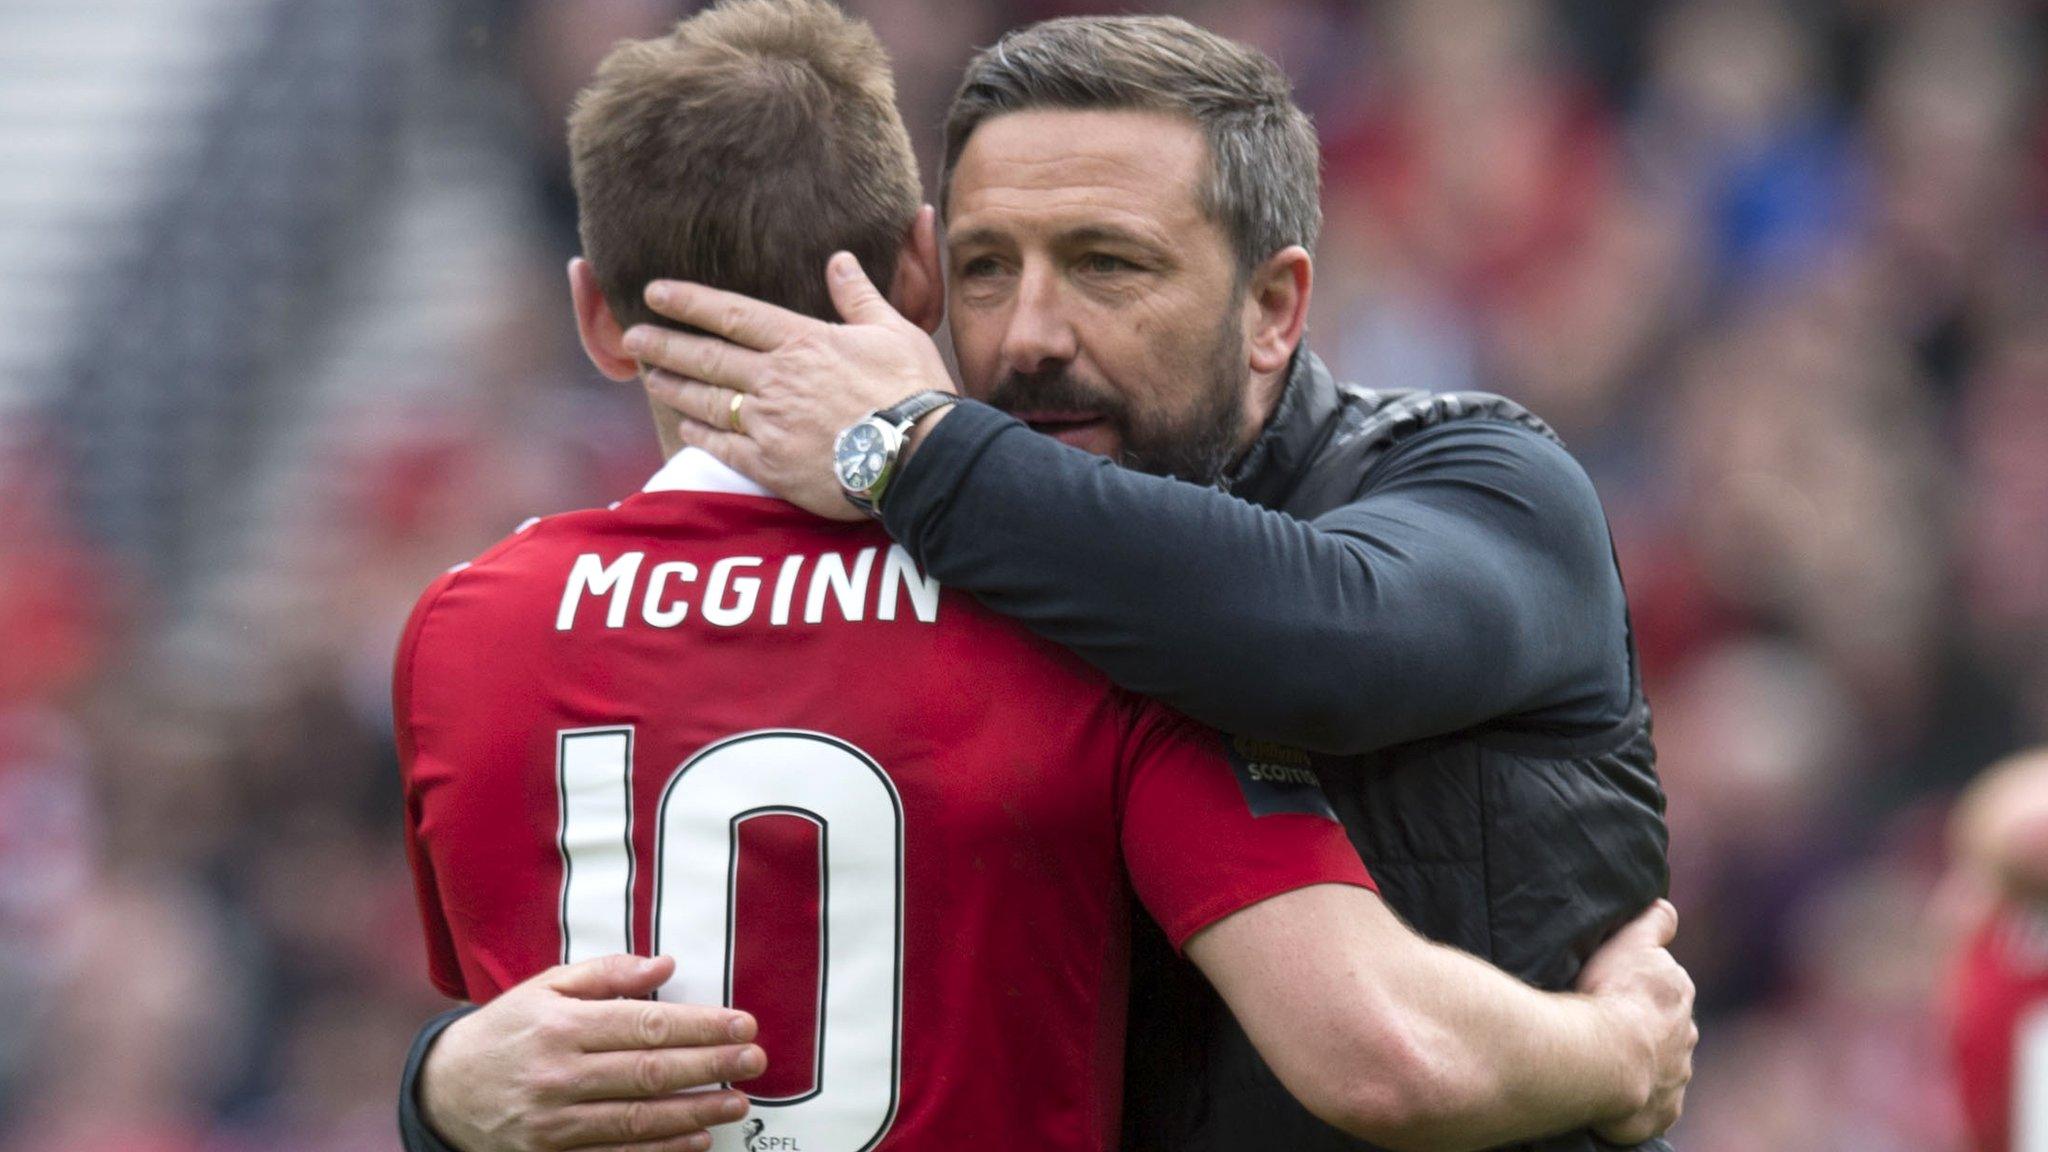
[1998, 995]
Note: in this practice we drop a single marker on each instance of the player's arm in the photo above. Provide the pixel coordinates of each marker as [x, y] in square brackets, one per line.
[1413, 1045]
[1474, 580]
[1374, 1029]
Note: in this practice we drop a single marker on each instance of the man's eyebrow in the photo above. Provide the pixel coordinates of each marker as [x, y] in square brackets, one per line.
[1084, 234]
[975, 236]
[1106, 234]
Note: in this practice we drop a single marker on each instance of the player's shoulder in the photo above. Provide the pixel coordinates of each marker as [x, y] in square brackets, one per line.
[532, 537]
[540, 536]
[1011, 663]
[539, 545]
[642, 520]
[496, 556]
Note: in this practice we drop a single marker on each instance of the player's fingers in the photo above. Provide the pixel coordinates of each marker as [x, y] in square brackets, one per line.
[631, 1122]
[1654, 927]
[664, 1071]
[741, 319]
[695, 1142]
[707, 404]
[705, 358]
[856, 297]
[609, 977]
[622, 1025]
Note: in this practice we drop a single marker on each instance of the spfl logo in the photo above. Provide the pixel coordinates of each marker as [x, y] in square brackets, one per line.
[757, 1142]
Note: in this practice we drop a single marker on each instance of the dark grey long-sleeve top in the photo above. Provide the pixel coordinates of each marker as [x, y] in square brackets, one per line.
[1469, 581]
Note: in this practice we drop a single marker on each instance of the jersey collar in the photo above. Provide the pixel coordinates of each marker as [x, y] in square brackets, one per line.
[695, 470]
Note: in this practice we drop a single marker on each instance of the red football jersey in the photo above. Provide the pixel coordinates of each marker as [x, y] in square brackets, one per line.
[899, 829]
[1999, 1030]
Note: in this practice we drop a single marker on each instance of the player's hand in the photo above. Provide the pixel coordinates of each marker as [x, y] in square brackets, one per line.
[1651, 996]
[562, 1062]
[804, 380]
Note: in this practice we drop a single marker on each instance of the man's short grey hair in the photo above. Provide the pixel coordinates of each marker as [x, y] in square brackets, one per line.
[1264, 180]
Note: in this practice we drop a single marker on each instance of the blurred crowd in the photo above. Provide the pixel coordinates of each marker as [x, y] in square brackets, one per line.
[1776, 273]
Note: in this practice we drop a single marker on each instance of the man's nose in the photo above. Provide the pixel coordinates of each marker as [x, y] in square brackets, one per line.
[1039, 335]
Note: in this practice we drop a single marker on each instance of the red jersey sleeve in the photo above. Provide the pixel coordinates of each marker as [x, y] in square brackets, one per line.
[442, 966]
[1211, 824]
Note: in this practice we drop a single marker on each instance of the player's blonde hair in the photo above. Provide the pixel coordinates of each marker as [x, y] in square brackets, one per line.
[741, 150]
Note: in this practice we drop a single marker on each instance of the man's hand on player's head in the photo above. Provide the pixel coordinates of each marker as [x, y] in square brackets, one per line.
[804, 380]
[573, 1058]
[1651, 996]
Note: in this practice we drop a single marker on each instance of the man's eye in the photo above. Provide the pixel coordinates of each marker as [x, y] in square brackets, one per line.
[981, 266]
[1102, 263]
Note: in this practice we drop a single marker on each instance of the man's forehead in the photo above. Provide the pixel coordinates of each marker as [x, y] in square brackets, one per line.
[1057, 164]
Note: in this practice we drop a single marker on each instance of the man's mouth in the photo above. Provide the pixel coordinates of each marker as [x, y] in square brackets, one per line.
[1091, 431]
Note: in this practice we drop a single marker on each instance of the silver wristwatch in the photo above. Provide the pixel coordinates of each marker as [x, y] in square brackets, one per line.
[864, 455]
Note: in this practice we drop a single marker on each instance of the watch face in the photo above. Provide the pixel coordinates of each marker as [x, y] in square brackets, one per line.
[860, 456]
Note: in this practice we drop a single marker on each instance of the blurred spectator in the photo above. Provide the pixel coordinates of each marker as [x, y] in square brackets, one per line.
[1950, 117]
[1998, 982]
[2003, 517]
[144, 1030]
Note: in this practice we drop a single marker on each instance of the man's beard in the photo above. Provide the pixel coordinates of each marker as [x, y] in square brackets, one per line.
[1197, 446]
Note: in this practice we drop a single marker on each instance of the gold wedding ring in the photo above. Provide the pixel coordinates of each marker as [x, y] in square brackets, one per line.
[732, 413]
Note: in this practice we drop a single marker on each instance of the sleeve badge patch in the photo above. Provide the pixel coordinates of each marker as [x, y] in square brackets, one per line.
[1276, 778]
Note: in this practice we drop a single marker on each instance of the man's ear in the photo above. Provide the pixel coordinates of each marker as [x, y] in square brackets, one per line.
[918, 290]
[604, 341]
[1276, 308]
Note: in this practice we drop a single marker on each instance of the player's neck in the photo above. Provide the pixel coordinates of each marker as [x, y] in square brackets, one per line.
[665, 421]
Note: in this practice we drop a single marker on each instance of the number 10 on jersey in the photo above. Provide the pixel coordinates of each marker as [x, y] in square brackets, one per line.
[705, 805]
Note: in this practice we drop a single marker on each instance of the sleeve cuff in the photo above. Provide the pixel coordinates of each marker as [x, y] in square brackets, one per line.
[1191, 922]
[412, 1127]
[942, 460]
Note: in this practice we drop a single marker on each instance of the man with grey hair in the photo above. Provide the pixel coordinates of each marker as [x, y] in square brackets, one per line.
[1412, 598]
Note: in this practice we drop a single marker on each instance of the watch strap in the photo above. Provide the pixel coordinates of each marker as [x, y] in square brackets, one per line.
[915, 407]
